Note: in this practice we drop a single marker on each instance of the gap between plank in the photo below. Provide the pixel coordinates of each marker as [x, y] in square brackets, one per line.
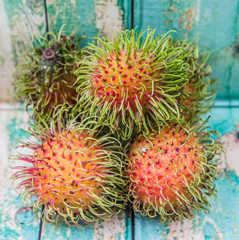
[46, 17]
[48, 37]
[132, 14]
[226, 106]
[132, 225]
[41, 224]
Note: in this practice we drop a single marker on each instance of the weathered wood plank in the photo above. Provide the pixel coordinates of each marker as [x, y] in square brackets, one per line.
[16, 219]
[118, 228]
[19, 20]
[214, 24]
[91, 17]
[222, 222]
[126, 8]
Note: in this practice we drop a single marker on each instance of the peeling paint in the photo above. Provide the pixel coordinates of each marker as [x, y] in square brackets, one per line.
[26, 18]
[10, 202]
[186, 20]
[6, 63]
[19, 21]
[78, 16]
[109, 17]
[197, 16]
[212, 226]
[193, 229]
[111, 230]
[231, 161]
[185, 230]
[173, 9]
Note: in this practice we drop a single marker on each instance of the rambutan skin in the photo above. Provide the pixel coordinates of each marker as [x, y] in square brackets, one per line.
[45, 78]
[126, 74]
[76, 174]
[133, 79]
[173, 172]
[198, 95]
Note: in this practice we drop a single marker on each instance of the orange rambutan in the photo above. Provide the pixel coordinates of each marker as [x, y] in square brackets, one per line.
[45, 78]
[198, 95]
[133, 80]
[75, 174]
[173, 172]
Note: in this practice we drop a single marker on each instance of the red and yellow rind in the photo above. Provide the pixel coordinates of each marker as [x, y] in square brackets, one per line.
[125, 81]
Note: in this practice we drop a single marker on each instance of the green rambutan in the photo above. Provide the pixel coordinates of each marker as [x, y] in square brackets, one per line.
[45, 78]
[76, 173]
[133, 79]
[198, 95]
[173, 173]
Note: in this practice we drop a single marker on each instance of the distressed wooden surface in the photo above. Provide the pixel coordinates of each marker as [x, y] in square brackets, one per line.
[214, 24]
[90, 17]
[14, 223]
[118, 228]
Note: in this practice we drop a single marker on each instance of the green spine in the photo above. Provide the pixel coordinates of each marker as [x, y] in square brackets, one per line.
[200, 189]
[167, 79]
[45, 78]
[112, 199]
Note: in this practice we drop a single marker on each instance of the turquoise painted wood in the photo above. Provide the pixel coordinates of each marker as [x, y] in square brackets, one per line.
[118, 228]
[126, 8]
[213, 24]
[16, 219]
[78, 16]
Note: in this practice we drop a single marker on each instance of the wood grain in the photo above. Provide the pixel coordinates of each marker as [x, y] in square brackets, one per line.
[81, 17]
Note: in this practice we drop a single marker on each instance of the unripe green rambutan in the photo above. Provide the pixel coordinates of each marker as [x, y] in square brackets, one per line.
[198, 95]
[173, 173]
[45, 78]
[76, 174]
[133, 79]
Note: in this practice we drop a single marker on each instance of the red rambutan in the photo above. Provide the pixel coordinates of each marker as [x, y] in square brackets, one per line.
[75, 174]
[173, 172]
[132, 80]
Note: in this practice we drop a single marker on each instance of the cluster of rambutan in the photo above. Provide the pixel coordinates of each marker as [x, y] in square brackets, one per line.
[118, 123]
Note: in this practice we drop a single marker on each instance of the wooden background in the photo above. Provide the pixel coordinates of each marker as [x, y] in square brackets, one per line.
[214, 24]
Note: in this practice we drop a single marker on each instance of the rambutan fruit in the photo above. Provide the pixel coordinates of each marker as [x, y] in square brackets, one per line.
[76, 173]
[198, 95]
[133, 79]
[45, 78]
[172, 173]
